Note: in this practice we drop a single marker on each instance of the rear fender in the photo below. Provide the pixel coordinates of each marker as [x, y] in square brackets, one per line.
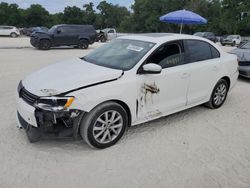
[84, 38]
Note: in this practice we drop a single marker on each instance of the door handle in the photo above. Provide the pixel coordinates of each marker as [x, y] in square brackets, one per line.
[185, 75]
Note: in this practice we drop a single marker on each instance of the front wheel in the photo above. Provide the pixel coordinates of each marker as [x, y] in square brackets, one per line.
[219, 95]
[44, 44]
[104, 125]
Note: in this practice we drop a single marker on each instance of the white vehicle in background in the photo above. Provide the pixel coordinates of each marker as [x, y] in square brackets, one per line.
[9, 31]
[129, 81]
[233, 40]
[111, 33]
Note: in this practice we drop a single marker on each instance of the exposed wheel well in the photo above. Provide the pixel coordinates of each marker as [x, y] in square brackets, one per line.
[125, 106]
[227, 79]
[84, 39]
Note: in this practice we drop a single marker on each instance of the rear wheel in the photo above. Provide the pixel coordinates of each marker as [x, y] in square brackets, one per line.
[219, 95]
[104, 125]
[44, 44]
[13, 35]
[83, 44]
[103, 39]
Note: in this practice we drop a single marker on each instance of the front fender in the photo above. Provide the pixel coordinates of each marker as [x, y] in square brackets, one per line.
[88, 98]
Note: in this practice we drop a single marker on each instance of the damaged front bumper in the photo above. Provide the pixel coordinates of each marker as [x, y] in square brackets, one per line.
[45, 124]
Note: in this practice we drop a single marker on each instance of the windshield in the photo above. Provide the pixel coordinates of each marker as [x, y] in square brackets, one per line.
[122, 54]
[245, 46]
[52, 29]
[231, 37]
[199, 34]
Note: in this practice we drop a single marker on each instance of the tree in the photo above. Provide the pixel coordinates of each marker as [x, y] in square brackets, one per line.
[89, 13]
[36, 15]
[10, 14]
[73, 15]
[111, 15]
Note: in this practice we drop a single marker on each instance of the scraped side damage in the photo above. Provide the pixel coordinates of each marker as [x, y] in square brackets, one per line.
[145, 102]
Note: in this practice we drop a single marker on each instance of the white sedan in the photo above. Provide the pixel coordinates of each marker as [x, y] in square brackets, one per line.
[129, 81]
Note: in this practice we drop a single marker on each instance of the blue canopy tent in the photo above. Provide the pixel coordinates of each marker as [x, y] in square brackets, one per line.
[183, 17]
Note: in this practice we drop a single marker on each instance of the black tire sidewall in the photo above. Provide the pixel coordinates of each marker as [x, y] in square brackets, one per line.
[103, 39]
[87, 124]
[13, 35]
[212, 97]
[83, 44]
[41, 44]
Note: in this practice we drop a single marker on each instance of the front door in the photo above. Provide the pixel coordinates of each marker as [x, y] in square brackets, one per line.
[164, 93]
[64, 36]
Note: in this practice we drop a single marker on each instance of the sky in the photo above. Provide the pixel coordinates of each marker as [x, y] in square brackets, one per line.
[54, 6]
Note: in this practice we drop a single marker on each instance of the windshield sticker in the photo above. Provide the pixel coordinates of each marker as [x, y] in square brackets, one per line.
[135, 48]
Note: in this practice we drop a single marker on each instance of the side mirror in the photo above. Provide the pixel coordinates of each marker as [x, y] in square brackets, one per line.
[151, 68]
[58, 31]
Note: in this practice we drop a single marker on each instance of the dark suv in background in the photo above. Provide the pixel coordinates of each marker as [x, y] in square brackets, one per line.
[64, 35]
[208, 35]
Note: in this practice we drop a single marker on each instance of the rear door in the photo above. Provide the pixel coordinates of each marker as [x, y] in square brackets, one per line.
[204, 61]
[5, 30]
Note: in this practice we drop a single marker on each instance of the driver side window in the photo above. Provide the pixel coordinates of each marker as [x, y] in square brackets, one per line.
[168, 55]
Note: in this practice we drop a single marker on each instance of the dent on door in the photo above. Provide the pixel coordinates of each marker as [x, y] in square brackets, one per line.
[146, 108]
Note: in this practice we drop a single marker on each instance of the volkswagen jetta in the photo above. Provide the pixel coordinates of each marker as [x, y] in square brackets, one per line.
[131, 80]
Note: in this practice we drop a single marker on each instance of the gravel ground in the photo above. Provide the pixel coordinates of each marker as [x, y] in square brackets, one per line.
[197, 148]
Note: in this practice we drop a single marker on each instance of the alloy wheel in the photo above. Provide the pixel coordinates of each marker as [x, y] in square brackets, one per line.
[107, 127]
[220, 94]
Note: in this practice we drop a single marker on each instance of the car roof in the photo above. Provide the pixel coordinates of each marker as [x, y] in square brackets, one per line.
[160, 37]
[74, 25]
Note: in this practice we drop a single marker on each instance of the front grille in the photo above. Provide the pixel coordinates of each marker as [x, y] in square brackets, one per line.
[27, 96]
[244, 63]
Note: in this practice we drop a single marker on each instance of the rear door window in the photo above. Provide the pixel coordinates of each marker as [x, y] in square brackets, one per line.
[200, 51]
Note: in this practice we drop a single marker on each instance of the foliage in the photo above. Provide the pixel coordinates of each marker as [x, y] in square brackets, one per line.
[224, 16]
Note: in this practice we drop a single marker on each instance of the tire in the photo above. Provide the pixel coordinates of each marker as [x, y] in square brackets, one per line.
[233, 44]
[83, 44]
[13, 35]
[103, 39]
[44, 44]
[97, 128]
[219, 95]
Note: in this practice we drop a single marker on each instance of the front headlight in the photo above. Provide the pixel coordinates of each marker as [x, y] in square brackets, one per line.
[54, 103]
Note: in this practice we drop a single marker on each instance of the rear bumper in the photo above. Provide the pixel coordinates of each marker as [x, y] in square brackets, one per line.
[244, 71]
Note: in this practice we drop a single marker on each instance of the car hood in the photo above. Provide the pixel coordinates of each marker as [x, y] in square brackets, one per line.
[243, 54]
[39, 33]
[66, 76]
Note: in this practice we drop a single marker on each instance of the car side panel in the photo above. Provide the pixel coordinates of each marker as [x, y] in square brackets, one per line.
[204, 76]
[123, 89]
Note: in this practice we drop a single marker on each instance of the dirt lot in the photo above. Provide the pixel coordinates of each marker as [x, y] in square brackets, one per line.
[197, 148]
